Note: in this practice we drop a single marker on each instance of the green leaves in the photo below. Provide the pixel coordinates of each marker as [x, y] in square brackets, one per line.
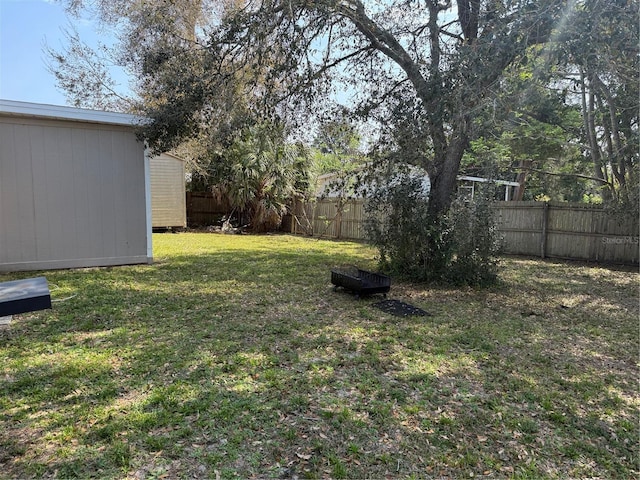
[259, 174]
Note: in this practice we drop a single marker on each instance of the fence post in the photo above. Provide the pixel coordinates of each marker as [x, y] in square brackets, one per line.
[545, 222]
[338, 218]
[294, 212]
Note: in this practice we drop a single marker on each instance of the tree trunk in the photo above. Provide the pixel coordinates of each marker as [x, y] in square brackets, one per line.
[522, 179]
[589, 124]
[444, 176]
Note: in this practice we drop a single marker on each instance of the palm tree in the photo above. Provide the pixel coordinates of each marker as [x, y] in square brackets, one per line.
[263, 173]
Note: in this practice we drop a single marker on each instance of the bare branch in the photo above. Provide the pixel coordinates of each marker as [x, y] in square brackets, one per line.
[574, 175]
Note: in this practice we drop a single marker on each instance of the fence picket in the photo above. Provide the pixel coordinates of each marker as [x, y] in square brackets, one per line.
[546, 229]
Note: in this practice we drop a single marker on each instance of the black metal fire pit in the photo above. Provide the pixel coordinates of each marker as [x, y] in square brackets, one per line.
[360, 282]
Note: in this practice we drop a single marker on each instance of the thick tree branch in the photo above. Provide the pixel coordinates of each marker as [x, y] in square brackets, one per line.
[574, 175]
[384, 42]
[468, 14]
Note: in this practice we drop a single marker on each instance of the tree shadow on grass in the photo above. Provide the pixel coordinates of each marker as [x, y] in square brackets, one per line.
[245, 363]
[158, 325]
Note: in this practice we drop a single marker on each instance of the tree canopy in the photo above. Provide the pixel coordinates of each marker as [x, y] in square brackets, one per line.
[424, 70]
[426, 73]
[427, 59]
[434, 61]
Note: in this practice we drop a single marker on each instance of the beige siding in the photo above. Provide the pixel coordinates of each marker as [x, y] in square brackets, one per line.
[168, 204]
[71, 194]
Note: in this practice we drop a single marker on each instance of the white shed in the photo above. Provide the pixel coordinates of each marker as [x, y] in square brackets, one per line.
[168, 196]
[74, 188]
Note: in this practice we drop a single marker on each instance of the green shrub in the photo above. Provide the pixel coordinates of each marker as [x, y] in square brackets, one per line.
[475, 240]
[459, 248]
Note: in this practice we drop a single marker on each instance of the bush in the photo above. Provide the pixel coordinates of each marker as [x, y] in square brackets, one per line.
[475, 240]
[459, 248]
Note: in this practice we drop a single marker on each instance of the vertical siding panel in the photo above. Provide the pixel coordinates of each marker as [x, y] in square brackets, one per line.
[120, 214]
[59, 205]
[92, 235]
[67, 189]
[130, 210]
[53, 206]
[136, 197]
[134, 194]
[6, 155]
[106, 191]
[168, 192]
[25, 209]
[40, 192]
[84, 229]
[129, 182]
[159, 210]
[9, 219]
[138, 162]
[182, 197]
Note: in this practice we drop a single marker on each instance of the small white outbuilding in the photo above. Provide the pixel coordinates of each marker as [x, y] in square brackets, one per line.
[75, 188]
[168, 196]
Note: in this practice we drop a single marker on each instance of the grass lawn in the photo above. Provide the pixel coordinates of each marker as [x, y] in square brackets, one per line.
[231, 356]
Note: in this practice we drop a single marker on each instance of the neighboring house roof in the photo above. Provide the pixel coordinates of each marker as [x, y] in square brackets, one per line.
[324, 184]
[26, 109]
[486, 180]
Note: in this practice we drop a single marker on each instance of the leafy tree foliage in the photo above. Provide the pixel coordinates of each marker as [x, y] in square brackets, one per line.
[460, 249]
[259, 174]
[207, 113]
[425, 71]
[607, 64]
[567, 115]
[422, 57]
[84, 73]
[530, 134]
[337, 151]
[338, 146]
[600, 49]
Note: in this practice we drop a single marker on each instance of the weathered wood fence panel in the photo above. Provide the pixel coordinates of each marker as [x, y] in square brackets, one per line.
[329, 218]
[203, 209]
[558, 230]
[566, 230]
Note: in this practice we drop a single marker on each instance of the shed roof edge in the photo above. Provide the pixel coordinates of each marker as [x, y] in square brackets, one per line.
[39, 110]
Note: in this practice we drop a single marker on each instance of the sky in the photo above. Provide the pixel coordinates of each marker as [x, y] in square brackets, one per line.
[25, 27]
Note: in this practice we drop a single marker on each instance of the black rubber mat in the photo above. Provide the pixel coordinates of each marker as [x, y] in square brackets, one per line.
[400, 309]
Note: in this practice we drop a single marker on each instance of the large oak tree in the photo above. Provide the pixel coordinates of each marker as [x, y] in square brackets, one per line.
[441, 58]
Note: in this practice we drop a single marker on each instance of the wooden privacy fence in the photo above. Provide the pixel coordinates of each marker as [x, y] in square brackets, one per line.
[203, 209]
[566, 230]
[558, 230]
[331, 218]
